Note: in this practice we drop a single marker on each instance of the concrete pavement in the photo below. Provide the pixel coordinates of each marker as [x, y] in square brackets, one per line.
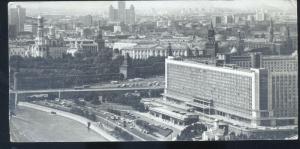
[31, 125]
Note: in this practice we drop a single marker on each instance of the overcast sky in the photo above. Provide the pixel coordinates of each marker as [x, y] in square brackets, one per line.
[96, 7]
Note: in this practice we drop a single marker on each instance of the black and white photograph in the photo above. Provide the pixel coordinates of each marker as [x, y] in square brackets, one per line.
[132, 71]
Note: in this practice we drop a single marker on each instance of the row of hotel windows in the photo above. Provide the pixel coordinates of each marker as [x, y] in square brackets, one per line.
[277, 66]
[216, 87]
[280, 113]
[199, 71]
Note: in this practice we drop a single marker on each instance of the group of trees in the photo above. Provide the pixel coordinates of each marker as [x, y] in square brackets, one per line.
[128, 99]
[101, 63]
[147, 62]
[191, 131]
[144, 125]
[84, 113]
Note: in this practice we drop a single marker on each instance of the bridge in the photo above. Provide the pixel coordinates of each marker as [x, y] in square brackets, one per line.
[85, 90]
[59, 91]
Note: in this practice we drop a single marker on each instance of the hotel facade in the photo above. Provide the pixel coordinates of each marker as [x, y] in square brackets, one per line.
[250, 96]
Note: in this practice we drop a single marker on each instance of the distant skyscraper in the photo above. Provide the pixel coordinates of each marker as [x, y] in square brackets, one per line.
[87, 20]
[122, 14]
[216, 20]
[260, 15]
[17, 17]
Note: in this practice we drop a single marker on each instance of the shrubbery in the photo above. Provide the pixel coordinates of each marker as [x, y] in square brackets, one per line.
[191, 131]
[119, 132]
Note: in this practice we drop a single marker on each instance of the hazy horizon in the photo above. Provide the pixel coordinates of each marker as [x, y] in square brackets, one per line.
[100, 7]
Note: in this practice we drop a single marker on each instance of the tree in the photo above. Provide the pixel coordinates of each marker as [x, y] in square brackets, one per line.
[191, 131]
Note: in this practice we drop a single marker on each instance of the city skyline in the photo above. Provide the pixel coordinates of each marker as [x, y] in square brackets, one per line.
[147, 7]
[190, 72]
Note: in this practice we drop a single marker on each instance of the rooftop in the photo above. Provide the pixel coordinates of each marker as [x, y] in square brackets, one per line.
[210, 63]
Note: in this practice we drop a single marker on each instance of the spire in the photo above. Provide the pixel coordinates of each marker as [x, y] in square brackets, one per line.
[211, 33]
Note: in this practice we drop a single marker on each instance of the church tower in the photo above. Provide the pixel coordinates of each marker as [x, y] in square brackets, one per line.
[99, 39]
[211, 34]
[210, 45]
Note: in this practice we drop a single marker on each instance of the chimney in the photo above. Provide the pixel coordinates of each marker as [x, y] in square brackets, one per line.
[256, 60]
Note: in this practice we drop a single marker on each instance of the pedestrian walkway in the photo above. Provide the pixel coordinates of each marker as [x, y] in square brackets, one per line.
[70, 116]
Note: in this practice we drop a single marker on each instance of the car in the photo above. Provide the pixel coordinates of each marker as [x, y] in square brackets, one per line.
[146, 132]
[114, 82]
[131, 127]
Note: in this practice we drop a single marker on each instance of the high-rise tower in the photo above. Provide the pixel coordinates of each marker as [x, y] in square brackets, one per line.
[17, 17]
[122, 11]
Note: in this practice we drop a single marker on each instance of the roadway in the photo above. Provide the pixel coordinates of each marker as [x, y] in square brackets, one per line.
[137, 134]
[30, 125]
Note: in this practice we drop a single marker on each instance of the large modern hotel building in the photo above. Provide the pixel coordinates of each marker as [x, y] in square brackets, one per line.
[255, 96]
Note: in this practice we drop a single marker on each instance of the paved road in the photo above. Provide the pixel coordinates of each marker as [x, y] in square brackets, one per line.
[138, 136]
[36, 126]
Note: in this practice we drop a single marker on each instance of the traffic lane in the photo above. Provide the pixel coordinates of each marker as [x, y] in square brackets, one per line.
[106, 116]
[39, 126]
